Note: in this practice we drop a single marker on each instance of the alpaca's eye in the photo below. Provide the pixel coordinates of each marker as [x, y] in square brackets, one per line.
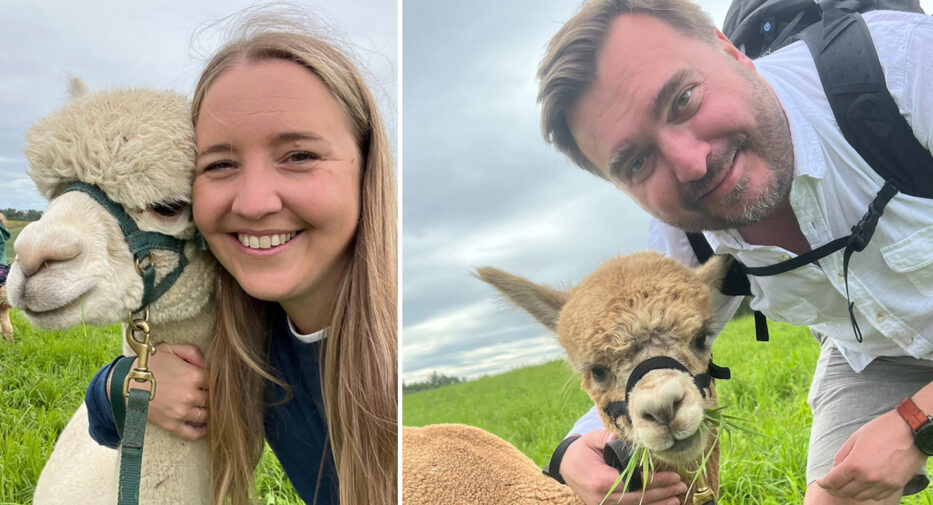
[699, 341]
[167, 209]
[599, 373]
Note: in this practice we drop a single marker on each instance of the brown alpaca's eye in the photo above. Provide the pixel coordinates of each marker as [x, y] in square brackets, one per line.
[699, 341]
[167, 209]
[599, 373]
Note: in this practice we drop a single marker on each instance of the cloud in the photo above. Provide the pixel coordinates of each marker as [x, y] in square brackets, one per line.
[117, 43]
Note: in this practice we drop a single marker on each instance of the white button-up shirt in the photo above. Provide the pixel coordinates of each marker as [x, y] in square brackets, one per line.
[891, 281]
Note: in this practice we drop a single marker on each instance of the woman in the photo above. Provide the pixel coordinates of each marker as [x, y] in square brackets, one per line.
[294, 193]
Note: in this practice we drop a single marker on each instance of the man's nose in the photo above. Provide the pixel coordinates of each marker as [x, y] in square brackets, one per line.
[257, 192]
[685, 153]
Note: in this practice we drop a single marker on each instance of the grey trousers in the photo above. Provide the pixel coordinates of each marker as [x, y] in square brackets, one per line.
[842, 401]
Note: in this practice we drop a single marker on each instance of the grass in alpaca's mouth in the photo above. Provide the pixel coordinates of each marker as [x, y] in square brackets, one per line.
[642, 459]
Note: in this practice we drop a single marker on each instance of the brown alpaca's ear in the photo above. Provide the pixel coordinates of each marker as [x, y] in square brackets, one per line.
[714, 271]
[543, 303]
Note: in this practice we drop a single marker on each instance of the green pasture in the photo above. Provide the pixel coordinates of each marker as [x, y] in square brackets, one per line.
[43, 377]
[534, 407]
[15, 227]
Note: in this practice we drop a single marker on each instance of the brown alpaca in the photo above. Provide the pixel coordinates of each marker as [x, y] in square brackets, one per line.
[628, 310]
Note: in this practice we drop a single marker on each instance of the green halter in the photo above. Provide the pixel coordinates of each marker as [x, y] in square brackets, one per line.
[141, 243]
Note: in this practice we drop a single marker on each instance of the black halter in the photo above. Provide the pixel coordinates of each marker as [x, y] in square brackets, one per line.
[702, 381]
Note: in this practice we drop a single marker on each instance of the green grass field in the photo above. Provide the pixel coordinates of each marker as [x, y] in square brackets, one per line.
[43, 377]
[534, 407]
[15, 227]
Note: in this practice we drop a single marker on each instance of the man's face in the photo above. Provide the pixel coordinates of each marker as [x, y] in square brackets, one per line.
[686, 128]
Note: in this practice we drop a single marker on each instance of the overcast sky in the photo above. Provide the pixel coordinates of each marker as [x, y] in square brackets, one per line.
[145, 44]
[482, 188]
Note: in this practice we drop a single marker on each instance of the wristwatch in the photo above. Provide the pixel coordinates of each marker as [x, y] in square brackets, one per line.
[920, 423]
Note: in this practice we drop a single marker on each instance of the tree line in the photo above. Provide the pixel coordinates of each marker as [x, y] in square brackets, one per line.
[22, 215]
[436, 380]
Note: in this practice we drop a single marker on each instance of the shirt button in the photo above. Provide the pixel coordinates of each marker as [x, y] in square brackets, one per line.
[879, 317]
[784, 257]
[841, 278]
[910, 340]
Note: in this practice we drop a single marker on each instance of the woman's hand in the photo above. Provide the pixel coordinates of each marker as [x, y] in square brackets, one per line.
[590, 478]
[180, 404]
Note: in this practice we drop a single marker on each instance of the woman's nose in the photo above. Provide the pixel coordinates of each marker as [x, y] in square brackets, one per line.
[685, 153]
[257, 192]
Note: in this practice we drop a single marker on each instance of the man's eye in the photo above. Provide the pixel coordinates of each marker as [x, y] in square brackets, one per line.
[683, 100]
[637, 164]
[638, 169]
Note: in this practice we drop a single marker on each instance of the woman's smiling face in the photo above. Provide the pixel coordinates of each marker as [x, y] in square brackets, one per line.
[277, 187]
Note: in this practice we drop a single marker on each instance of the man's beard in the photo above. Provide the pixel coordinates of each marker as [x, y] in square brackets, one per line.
[770, 140]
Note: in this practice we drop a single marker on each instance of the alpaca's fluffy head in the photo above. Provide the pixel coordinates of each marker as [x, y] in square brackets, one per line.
[137, 145]
[74, 264]
[628, 310]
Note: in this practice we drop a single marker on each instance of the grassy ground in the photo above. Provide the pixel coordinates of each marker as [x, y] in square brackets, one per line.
[43, 376]
[533, 408]
[15, 227]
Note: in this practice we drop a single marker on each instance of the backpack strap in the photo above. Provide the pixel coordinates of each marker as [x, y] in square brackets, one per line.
[854, 82]
[734, 284]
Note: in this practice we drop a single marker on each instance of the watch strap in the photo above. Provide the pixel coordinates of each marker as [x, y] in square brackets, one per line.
[912, 414]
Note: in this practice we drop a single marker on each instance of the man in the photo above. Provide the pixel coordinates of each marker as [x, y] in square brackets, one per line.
[648, 95]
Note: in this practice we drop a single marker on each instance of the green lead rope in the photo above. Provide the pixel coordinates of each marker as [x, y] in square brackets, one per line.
[131, 425]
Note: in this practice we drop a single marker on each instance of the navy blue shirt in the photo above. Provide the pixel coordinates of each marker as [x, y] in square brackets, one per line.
[295, 430]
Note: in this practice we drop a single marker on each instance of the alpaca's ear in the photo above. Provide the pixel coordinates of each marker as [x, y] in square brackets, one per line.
[714, 271]
[76, 87]
[543, 303]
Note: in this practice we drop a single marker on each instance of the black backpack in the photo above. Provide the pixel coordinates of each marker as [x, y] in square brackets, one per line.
[854, 83]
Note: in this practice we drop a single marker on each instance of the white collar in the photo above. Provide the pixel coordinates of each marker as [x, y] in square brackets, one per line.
[309, 338]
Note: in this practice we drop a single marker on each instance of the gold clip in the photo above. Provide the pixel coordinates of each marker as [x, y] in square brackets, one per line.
[148, 263]
[703, 495]
[143, 349]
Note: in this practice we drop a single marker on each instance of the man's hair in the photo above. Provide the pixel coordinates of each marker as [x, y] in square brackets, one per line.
[568, 69]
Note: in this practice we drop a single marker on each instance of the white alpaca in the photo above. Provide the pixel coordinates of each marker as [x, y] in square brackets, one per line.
[74, 265]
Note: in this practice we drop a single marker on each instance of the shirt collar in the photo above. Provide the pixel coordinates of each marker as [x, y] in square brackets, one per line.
[309, 338]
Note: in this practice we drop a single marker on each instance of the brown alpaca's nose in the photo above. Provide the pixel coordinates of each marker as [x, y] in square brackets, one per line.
[38, 246]
[663, 403]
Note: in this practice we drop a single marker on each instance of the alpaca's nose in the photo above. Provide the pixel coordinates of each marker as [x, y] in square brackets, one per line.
[666, 400]
[40, 244]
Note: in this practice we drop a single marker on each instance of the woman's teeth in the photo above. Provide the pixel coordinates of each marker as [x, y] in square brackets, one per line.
[264, 241]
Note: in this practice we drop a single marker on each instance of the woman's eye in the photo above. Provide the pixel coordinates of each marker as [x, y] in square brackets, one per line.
[218, 166]
[168, 209]
[301, 157]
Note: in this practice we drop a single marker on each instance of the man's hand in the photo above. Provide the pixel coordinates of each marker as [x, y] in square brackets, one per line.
[875, 462]
[590, 478]
[180, 403]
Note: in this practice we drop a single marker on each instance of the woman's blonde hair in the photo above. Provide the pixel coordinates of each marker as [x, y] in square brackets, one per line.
[2, 219]
[359, 355]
